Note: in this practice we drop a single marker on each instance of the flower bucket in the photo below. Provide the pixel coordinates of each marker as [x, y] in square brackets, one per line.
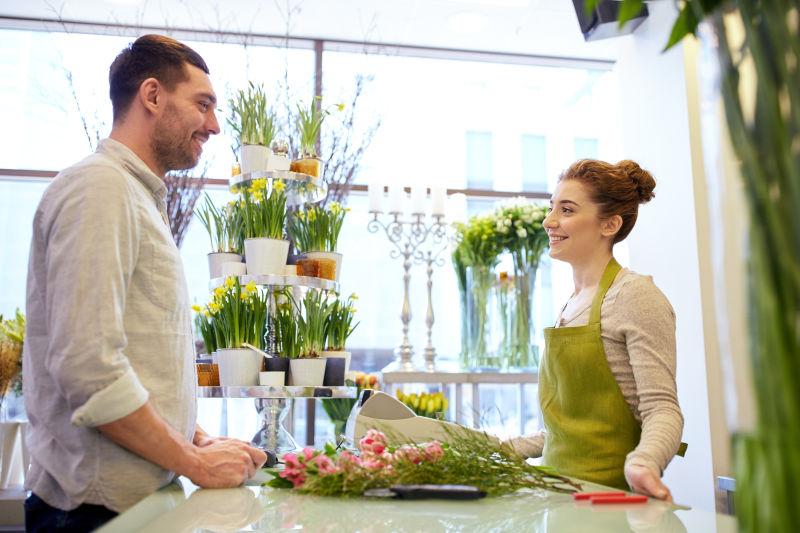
[217, 259]
[334, 372]
[340, 354]
[255, 158]
[278, 364]
[307, 372]
[265, 256]
[238, 367]
[335, 256]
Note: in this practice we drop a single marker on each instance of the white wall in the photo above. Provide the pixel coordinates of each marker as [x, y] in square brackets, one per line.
[655, 132]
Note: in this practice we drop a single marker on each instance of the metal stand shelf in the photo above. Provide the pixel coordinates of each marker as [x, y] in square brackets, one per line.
[272, 406]
[300, 188]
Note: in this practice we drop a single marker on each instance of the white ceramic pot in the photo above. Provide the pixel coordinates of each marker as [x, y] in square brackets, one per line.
[272, 378]
[307, 372]
[338, 353]
[238, 366]
[229, 268]
[217, 259]
[255, 158]
[265, 256]
[336, 256]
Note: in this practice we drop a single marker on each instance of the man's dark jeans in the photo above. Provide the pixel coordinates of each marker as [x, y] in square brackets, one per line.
[41, 517]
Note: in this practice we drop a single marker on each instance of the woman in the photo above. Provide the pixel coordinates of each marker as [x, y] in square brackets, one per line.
[607, 380]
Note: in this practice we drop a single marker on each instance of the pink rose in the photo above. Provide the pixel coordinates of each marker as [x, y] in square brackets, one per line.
[308, 453]
[408, 453]
[433, 451]
[325, 465]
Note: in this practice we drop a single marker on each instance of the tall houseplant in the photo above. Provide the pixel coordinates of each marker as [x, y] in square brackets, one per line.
[764, 138]
[315, 232]
[309, 125]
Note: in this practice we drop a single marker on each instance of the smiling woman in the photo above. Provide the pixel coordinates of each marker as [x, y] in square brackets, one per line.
[615, 419]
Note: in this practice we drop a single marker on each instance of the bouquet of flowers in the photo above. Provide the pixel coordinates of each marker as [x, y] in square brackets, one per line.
[425, 404]
[317, 228]
[12, 336]
[468, 458]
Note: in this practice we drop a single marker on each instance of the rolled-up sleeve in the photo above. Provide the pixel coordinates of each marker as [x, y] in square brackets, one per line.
[92, 243]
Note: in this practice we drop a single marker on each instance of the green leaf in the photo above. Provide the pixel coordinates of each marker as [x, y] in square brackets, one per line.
[278, 483]
[589, 5]
[330, 450]
[685, 24]
[629, 10]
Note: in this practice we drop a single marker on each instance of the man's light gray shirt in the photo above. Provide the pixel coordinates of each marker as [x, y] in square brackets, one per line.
[108, 329]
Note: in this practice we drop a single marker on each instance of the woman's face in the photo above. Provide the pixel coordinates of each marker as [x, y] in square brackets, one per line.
[576, 232]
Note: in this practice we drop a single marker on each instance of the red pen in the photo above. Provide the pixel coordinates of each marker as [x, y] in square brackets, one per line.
[591, 495]
[636, 498]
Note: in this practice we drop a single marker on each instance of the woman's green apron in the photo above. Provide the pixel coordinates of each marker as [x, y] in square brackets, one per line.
[590, 427]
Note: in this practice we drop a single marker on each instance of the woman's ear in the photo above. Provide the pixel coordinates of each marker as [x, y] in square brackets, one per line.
[611, 226]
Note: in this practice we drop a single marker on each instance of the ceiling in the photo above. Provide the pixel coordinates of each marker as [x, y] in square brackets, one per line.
[532, 27]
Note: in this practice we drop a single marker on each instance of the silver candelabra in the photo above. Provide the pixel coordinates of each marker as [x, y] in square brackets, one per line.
[408, 237]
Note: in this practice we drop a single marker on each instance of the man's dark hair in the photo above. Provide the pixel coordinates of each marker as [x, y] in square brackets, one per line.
[150, 56]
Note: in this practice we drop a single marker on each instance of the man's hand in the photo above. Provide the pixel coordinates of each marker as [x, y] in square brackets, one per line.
[225, 463]
[644, 481]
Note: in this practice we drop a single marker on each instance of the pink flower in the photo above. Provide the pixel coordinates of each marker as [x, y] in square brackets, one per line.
[408, 453]
[291, 461]
[308, 453]
[325, 465]
[433, 451]
[373, 442]
[372, 464]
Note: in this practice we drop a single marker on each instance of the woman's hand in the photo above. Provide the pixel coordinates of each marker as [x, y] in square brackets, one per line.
[644, 481]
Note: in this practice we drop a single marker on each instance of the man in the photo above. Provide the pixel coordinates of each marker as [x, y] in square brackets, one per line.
[109, 358]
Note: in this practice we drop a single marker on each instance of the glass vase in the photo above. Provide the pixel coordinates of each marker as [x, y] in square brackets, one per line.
[480, 306]
[524, 353]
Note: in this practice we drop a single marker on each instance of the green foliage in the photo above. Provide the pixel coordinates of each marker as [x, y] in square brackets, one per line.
[309, 124]
[316, 229]
[237, 315]
[224, 225]
[262, 208]
[340, 325]
[249, 117]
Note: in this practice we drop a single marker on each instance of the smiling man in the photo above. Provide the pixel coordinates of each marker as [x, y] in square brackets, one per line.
[109, 355]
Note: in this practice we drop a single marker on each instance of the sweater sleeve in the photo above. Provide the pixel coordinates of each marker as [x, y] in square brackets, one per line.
[649, 329]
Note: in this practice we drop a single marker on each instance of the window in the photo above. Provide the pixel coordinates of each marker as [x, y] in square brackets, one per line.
[479, 160]
[456, 122]
[534, 163]
[585, 148]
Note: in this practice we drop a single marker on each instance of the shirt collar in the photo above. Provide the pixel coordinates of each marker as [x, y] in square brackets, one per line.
[134, 165]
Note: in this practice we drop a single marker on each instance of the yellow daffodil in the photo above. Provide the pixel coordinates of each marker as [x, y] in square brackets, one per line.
[259, 184]
[354, 296]
[336, 208]
[214, 307]
[251, 288]
[196, 308]
[340, 107]
[279, 186]
[230, 282]
[258, 196]
[311, 215]
[219, 292]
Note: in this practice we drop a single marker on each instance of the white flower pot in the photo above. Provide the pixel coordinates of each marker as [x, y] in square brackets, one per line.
[238, 366]
[338, 353]
[255, 157]
[307, 372]
[217, 259]
[229, 268]
[265, 256]
[336, 256]
[274, 378]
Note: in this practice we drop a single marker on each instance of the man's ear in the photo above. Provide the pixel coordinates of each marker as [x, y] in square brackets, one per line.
[151, 95]
[611, 226]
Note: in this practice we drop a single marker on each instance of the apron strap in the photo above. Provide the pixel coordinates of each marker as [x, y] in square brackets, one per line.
[605, 282]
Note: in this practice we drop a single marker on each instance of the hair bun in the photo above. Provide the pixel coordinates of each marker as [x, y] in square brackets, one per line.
[644, 181]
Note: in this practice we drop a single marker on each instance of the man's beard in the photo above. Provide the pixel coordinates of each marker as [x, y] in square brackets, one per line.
[171, 148]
